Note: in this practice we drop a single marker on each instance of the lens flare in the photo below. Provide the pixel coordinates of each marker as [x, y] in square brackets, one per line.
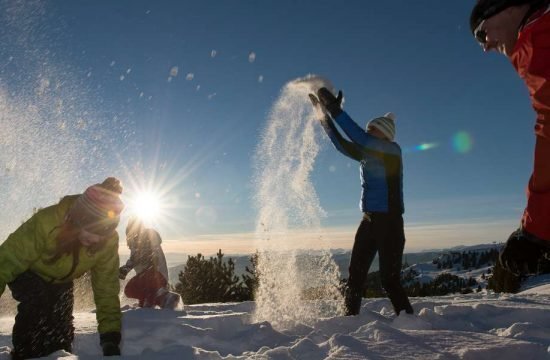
[426, 146]
[420, 147]
[462, 142]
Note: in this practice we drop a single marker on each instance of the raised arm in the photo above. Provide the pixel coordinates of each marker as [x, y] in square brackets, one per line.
[356, 134]
[347, 148]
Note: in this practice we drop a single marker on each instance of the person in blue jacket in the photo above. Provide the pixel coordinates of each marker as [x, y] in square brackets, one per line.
[381, 229]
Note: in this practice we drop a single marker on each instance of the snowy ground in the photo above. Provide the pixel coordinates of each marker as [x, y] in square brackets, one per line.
[473, 326]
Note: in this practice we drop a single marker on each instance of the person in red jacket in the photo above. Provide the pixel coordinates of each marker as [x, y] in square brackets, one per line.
[520, 30]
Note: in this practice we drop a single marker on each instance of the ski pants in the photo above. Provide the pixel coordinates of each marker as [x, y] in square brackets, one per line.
[382, 233]
[145, 287]
[44, 320]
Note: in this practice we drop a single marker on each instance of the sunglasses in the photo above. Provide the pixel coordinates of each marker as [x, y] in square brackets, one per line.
[480, 34]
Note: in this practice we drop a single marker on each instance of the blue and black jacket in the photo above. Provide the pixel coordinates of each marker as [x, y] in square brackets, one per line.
[381, 164]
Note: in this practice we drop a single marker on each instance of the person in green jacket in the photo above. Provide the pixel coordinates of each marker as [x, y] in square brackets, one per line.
[43, 256]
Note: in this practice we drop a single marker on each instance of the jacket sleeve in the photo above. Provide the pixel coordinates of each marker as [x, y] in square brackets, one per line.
[20, 250]
[361, 137]
[131, 262]
[106, 287]
[347, 148]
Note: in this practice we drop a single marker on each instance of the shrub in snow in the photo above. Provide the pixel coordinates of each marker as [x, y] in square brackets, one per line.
[213, 280]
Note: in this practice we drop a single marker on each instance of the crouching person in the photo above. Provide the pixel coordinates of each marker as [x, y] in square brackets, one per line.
[150, 285]
[43, 256]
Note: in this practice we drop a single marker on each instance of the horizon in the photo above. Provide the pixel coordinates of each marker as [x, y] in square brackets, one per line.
[335, 239]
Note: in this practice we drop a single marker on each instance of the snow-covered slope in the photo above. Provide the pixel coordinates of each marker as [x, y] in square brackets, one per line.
[473, 326]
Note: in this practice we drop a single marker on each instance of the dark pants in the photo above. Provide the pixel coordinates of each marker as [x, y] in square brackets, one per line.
[44, 320]
[524, 253]
[384, 234]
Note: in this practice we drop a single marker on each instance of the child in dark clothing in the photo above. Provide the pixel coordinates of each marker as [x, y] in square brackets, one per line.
[150, 285]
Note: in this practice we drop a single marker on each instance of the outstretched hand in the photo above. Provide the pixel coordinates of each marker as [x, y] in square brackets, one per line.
[331, 104]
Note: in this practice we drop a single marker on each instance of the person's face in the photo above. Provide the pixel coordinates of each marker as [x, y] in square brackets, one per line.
[377, 133]
[87, 238]
[500, 31]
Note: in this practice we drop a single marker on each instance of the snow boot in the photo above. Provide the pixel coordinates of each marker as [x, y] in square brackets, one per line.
[170, 300]
[352, 302]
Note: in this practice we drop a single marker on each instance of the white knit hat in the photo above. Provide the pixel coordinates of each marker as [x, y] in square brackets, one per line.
[386, 125]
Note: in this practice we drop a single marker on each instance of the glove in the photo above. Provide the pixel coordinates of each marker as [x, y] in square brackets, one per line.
[330, 103]
[314, 100]
[110, 342]
[520, 255]
[317, 105]
[123, 271]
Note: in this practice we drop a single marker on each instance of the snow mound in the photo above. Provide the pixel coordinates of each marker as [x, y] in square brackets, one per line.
[473, 326]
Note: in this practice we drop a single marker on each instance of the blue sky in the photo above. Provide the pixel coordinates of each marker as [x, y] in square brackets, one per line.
[181, 92]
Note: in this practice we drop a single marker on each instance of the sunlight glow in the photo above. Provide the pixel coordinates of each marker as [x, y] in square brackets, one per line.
[147, 206]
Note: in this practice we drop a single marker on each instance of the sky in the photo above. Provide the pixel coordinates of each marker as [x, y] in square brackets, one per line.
[173, 96]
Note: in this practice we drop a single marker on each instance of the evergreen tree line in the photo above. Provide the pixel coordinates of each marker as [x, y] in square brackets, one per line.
[443, 284]
[466, 260]
[205, 280]
[214, 280]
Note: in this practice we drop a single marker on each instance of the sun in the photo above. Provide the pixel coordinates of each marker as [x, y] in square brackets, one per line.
[147, 206]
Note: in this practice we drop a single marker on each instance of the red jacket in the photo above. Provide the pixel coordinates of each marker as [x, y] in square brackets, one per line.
[531, 58]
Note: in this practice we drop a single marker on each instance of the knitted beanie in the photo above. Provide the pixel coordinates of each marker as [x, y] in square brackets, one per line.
[98, 209]
[386, 125]
[485, 9]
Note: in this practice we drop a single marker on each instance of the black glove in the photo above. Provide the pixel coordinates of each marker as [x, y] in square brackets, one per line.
[520, 255]
[330, 103]
[314, 100]
[123, 271]
[110, 342]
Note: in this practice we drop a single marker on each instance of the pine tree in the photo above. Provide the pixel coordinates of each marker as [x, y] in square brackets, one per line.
[211, 280]
[251, 278]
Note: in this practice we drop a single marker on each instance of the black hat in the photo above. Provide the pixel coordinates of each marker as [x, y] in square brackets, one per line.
[484, 9]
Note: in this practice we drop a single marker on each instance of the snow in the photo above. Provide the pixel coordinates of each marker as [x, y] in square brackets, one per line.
[474, 326]
[537, 285]
[251, 57]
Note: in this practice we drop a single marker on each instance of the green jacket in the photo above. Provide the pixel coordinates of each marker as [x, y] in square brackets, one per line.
[32, 245]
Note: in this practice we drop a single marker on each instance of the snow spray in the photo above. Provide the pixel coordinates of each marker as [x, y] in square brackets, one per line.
[56, 138]
[296, 286]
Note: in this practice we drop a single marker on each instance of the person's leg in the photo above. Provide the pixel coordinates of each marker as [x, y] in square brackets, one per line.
[40, 326]
[158, 288]
[522, 252]
[134, 289]
[145, 286]
[362, 255]
[62, 316]
[390, 254]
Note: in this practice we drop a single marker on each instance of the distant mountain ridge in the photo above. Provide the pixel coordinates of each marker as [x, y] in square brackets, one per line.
[342, 257]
